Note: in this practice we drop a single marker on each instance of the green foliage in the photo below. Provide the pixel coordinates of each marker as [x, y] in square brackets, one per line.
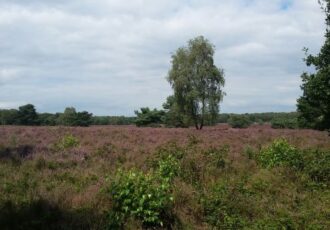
[313, 105]
[112, 120]
[168, 167]
[83, 119]
[67, 142]
[284, 123]
[48, 119]
[280, 153]
[313, 162]
[261, 118]
[148, 117]
[72, 118]
[173, 117]
[197, 83]
[237, 121]
[9, 116]
[27, 115]
[143, 196]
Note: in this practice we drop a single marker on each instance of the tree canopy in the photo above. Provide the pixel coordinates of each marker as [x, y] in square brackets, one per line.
[72, 118]
[149, 117]
[197, 82]
[314, 104]
[27, 115]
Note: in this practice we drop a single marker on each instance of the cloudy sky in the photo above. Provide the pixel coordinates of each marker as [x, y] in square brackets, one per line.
[111, 57]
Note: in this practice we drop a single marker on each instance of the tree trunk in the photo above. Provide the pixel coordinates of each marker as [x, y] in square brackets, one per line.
[202, 124]
[196, 122]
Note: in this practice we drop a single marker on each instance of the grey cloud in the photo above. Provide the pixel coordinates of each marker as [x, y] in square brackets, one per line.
[111, 57]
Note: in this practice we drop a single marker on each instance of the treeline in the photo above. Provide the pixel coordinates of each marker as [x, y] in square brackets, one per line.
[27, 115]
[157, 118]
[277, 120]
[113, 120]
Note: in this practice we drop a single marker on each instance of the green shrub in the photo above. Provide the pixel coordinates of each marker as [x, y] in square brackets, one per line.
[313, 162]
[145, 197]
[280, 153]
[169, 167]
[139, 196]
[67, 142]
[239, 121]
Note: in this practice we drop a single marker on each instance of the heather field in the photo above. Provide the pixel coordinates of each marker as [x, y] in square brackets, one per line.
[124, 177]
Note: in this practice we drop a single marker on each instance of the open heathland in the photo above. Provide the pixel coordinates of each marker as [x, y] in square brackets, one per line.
[125, 177]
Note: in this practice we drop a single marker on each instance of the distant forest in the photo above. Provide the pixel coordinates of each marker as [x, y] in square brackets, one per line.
[27, 115]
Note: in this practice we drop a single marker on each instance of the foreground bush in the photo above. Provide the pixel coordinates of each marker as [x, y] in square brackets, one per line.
[313, 162]
[143, 197]
[280, 153]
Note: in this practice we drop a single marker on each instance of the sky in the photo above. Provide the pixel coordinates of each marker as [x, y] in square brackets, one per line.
[111, 57]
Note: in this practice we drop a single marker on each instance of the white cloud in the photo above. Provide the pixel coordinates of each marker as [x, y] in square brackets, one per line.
[111, 57]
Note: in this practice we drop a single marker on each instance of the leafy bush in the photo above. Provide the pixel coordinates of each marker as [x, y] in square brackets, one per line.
[313, 162]
[280, 153]
[239, 121]
[169, 167]
[67, 142]
[144, 197]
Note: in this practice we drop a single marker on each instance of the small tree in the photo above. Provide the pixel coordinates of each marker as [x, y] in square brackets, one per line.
[314, 104]
[197, 82]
